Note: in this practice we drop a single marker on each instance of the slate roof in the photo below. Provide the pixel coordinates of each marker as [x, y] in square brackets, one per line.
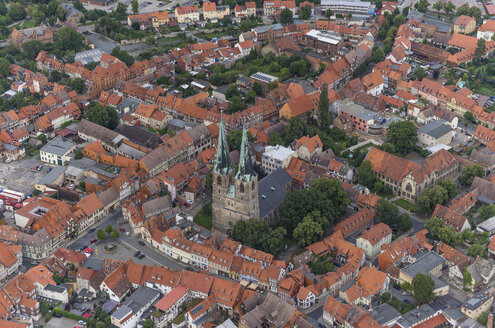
[278, 180]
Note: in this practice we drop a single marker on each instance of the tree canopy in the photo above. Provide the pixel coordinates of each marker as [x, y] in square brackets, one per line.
[258, 234]
[326, 196]
[469, 173]
[309, 230]
[286, 16]
[102, 115]
[403, 136]
[234, 139]
[423, 286]
[123, 56]
[68, 38]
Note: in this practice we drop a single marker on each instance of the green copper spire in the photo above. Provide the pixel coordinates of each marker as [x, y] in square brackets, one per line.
[222, 159]
[245, 172]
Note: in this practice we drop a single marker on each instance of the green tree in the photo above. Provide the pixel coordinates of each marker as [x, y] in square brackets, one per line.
[420, 73]
[55, 76]
[483, 318]
[77, 84]
[308, 230]
[329, 13]
[286, 16]
[101, 235]
[236, 104]
[4, 67]
[38, 16]
[476, 250]
[121, 11]
[405, 222]
[234, 139]
[148, 324]
[326, 196]
[3, 8]
[123, 56]
[31, 49]
[115, 234]
[449, 8]
[324, 108]
[365, 175]
[469, 173]
[258, 234]
[258, 88]
[135, 7]
[480, 49]
[68, 38]
[109, 229]
[468, 235]
[448, 185]
[17, 11]
[469, 116]
[78, 153]
[438, 6]
[403, 135]
[467, 279]
[433, 226]
[305, 12]
[102, 115]
[423, 286]
[387, 213]
[276, 139]
[422, 6]
[44, 308]
[431, 197]
[100, 324]
[399, 20]
[486, 212]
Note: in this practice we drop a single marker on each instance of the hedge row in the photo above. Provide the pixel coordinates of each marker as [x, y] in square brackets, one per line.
[68, 315]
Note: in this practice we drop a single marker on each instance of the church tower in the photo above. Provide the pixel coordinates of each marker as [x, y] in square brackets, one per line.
[234, 197]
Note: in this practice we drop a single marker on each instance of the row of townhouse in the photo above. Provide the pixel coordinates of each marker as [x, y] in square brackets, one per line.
[52, 223]
[231, 259]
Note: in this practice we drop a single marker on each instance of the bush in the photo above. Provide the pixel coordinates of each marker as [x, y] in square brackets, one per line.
[68, 315]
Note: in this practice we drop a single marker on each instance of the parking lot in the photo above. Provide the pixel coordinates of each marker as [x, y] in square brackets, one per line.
[20, 175]
[60, 323]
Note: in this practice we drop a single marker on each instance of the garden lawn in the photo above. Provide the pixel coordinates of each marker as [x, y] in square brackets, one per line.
[406, 205]
[203, 219]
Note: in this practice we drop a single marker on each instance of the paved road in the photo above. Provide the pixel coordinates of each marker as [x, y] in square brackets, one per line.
[127, 244]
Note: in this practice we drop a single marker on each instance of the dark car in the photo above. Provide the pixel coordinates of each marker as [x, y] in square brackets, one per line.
[137, 253]
[141, 243]
[141, 256]
[91, 230]
[57, 315]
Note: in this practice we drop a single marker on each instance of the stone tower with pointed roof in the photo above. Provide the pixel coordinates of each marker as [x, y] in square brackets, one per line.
[235, 197]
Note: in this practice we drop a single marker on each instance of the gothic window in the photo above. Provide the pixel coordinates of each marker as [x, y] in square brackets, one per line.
[409, 187]
[219, 180]
[241, 187]
[252, 185]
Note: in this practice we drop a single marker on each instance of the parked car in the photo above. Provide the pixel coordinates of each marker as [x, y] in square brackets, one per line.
[91, 230]
[36, 167]
[8, 160]
[57, 315]
[127, 233]
[40, 167]
[122, 229]
[141, 256]
[93, 240]
[186, 204]
[141, 243]
[137, 254]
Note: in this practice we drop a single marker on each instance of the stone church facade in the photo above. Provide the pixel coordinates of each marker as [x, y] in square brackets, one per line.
[235, 196]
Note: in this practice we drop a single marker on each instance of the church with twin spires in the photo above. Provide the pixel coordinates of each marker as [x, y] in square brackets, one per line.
[235, 195]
